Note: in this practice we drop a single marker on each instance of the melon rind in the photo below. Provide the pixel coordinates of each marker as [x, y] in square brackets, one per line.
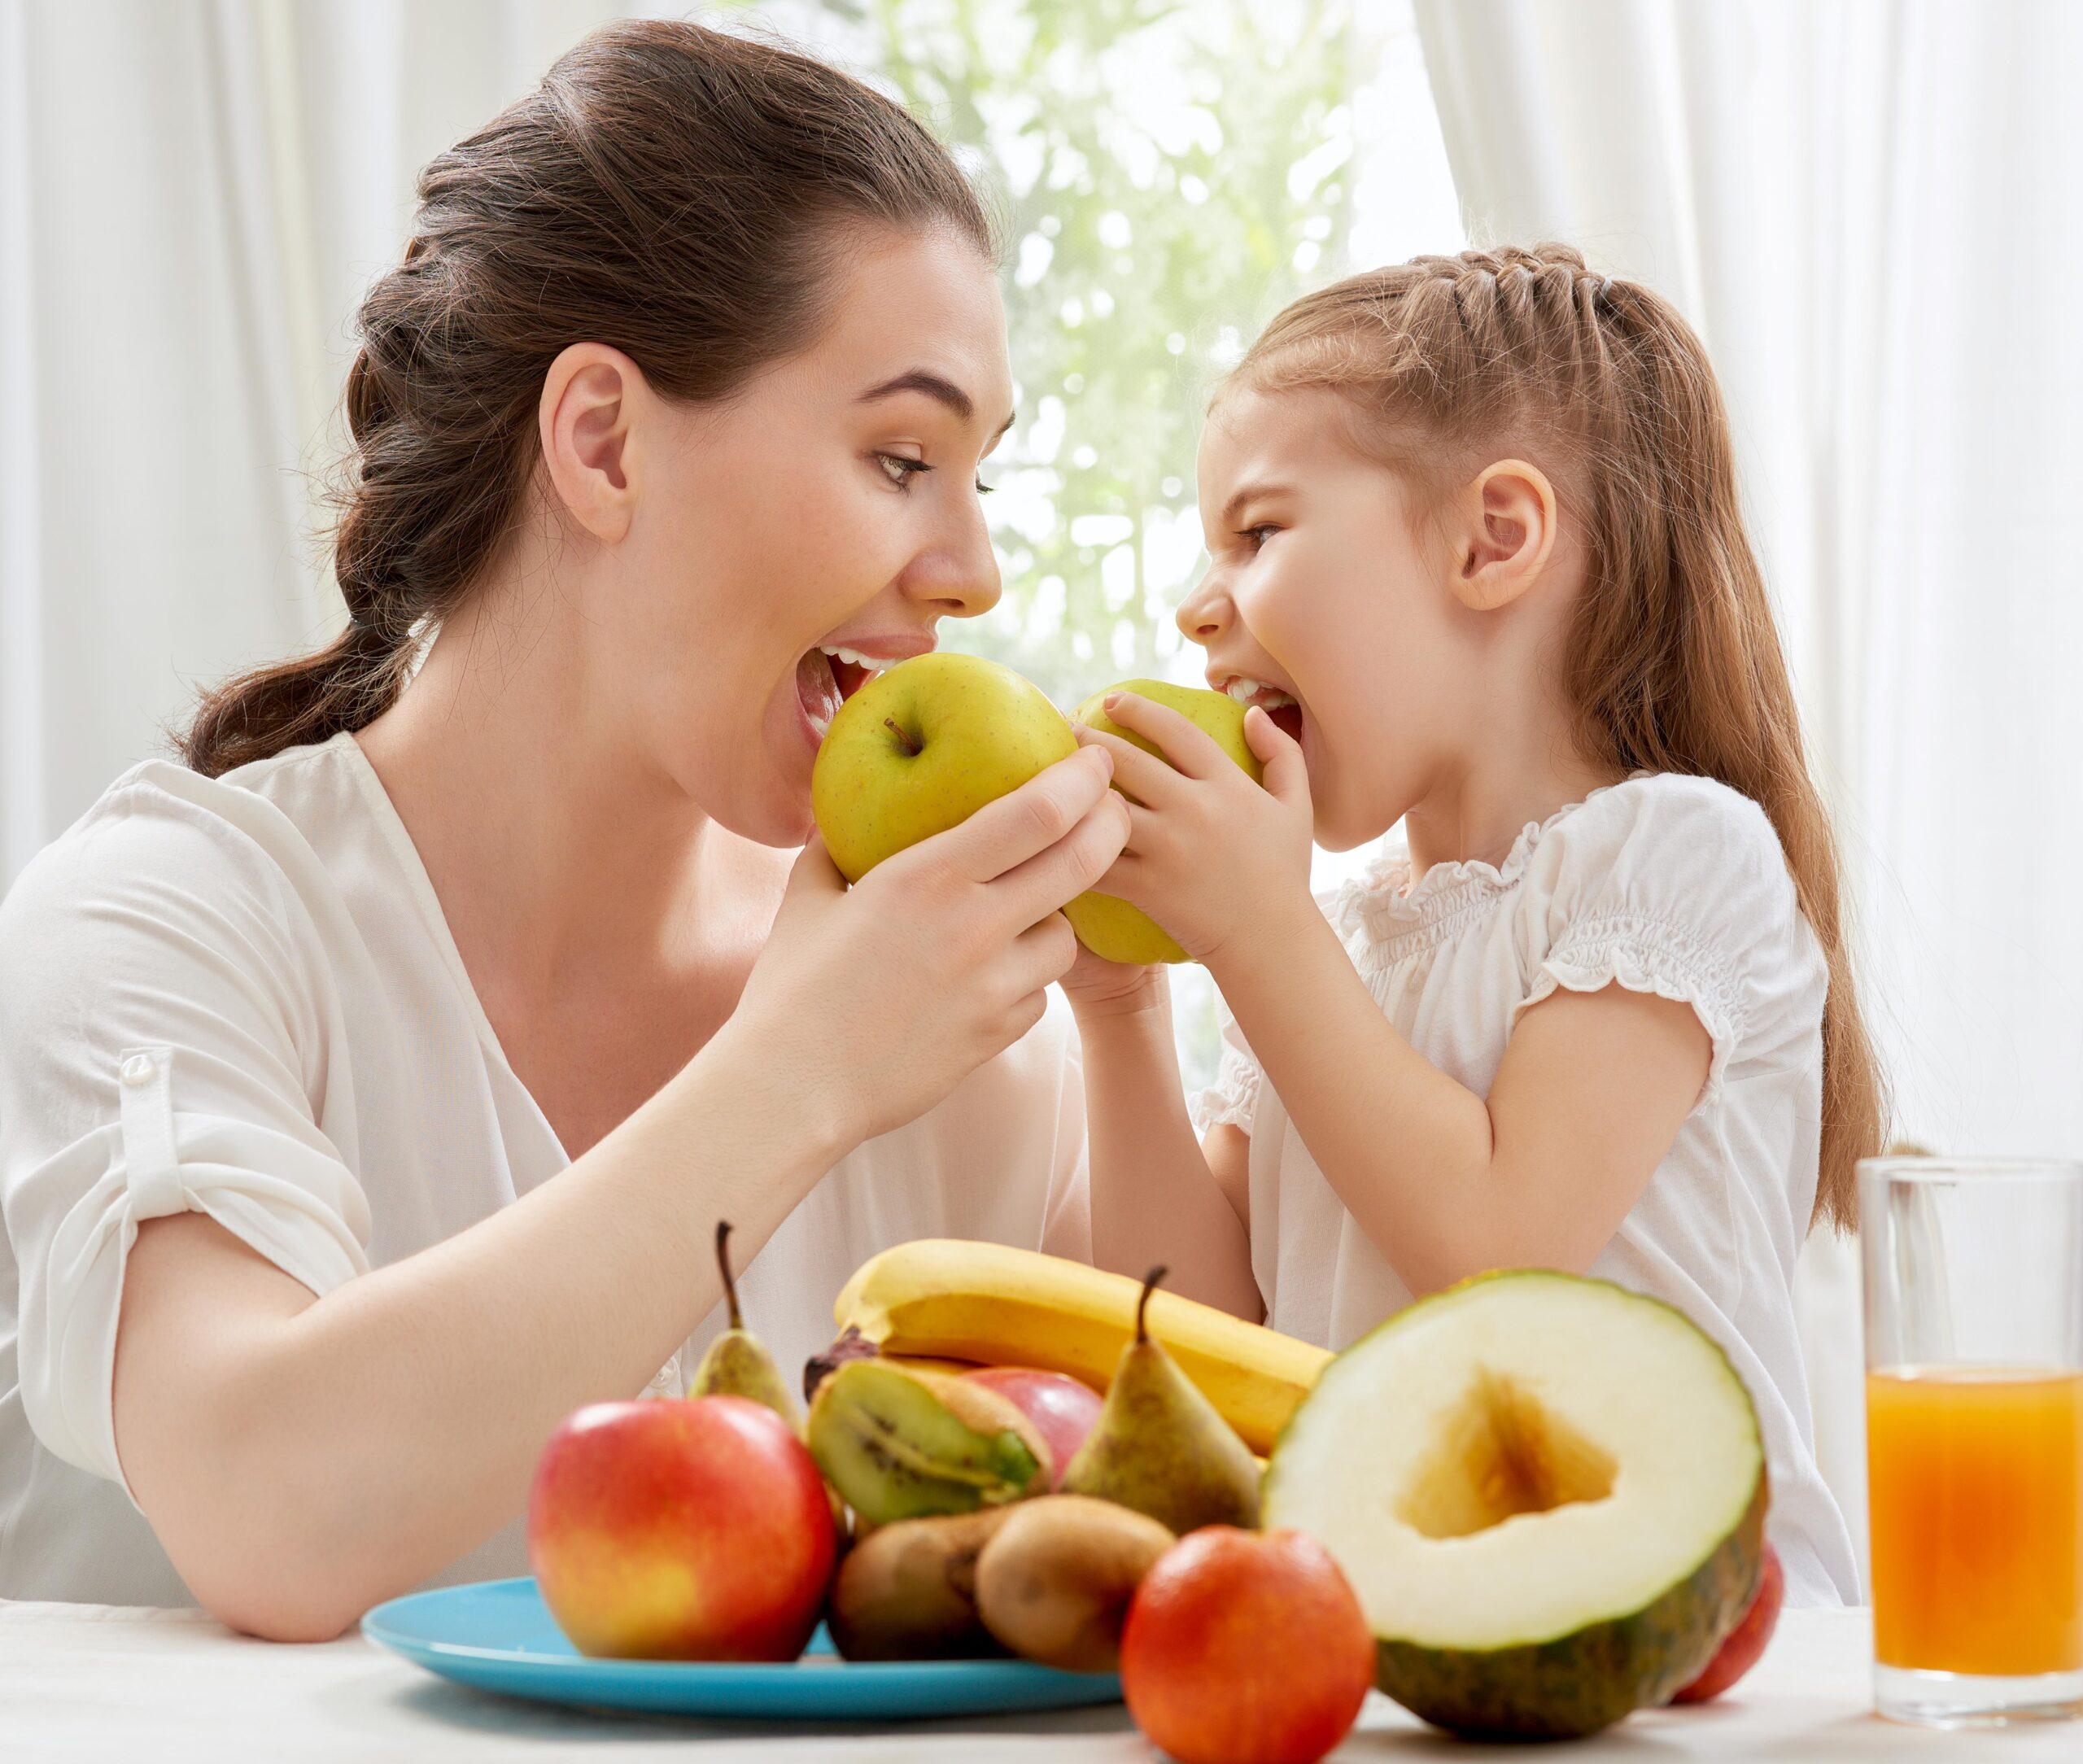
[1570, 1685]
[1583, 1682]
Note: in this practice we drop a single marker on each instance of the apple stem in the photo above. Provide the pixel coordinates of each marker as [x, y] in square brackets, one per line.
[723, 1263]
[904, 739]
[1149, 1285]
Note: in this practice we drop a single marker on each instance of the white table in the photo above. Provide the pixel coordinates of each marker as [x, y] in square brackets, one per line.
[91, 1681]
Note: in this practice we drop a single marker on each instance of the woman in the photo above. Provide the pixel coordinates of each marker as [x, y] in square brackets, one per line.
[422, 1028]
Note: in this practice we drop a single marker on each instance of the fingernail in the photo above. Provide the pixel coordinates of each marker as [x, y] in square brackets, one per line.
[1106, 761]
[1110, 700]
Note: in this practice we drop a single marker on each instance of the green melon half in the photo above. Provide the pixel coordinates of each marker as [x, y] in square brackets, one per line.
[1548, 1492]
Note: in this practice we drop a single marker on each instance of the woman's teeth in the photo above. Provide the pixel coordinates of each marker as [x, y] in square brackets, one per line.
[1257, 693]
[840, 652]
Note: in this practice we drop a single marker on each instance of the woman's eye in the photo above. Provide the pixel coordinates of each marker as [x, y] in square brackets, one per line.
[984, 489]
[900, 470]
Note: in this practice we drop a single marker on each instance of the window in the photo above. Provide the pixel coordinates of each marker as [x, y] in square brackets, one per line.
[1168, 176]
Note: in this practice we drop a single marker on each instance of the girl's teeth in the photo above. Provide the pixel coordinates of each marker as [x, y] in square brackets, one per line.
[1257, 693]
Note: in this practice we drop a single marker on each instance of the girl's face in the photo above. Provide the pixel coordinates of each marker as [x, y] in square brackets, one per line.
[812, 528]
[1320, 589]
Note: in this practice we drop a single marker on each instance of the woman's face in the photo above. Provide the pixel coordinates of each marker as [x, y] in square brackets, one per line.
[813, 528]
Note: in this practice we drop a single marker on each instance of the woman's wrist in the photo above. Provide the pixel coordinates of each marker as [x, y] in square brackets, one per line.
[760, 1078]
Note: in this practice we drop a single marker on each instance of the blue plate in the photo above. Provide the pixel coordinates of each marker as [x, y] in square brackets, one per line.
[498, 1636]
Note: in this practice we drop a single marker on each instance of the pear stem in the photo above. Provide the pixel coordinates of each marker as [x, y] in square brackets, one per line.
[723, 1263]
[904, 739]
[1149, 1285]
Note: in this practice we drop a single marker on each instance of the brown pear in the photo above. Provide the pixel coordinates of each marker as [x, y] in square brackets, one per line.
[737, 1363]
[1161, 1448]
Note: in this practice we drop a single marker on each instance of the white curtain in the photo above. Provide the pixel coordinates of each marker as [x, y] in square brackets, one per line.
[192, 198]
[1873, 210]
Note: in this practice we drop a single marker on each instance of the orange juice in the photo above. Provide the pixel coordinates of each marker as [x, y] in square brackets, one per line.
[1974, 1484]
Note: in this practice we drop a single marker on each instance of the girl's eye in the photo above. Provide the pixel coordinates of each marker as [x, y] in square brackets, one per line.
[900, 470]
[1259, 534]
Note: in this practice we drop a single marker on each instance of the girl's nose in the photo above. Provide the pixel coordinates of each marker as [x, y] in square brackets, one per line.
[1204, 614]
[957, 578]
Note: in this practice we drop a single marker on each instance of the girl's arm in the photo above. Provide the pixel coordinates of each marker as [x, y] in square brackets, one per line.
[300, 1457]
[1592, 1091]
[1591, 1094]
[1155, 1199]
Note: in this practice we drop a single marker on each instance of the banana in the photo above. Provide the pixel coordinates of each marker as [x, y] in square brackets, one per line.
[999, 1305]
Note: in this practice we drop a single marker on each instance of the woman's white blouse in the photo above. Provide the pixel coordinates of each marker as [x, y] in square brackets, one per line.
[1666, 884]
[239, 997]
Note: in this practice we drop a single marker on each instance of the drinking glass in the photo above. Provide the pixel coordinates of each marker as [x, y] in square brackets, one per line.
[1974, 1431]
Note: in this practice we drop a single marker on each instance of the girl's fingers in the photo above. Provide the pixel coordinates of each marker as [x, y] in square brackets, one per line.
[1190, 748]
[1286, 773]
[1141, 776]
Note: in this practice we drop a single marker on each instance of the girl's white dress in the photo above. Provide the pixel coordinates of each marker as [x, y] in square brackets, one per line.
[239, 997]
[1666, 884]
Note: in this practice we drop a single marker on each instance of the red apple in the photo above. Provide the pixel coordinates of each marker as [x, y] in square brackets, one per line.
[664, 1530]
[1746, 1642]
[1246, 1647]
[1062, 1410]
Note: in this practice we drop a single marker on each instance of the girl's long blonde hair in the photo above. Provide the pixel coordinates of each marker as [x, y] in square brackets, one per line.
[1673, 662]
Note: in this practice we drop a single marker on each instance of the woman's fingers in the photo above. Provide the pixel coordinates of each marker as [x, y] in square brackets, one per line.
[1002, 836]
[1043, 953]
[1032, 891]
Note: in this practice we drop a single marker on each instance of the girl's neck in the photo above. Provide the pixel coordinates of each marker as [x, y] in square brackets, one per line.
[1479, 801]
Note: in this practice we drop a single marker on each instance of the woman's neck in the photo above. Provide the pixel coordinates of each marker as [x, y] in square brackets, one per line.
[557, 848]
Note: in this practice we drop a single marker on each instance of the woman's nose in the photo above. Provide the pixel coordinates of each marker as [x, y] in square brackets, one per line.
[1204, 614]
[958, 577]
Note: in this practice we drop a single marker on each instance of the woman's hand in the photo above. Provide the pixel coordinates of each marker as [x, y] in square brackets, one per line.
[880, 998]
[1210, 853]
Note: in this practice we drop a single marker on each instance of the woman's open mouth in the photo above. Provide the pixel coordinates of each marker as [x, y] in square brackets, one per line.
[826, 677]
[1280, 706]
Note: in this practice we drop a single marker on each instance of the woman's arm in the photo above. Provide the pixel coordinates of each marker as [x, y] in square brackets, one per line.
[1155, 1198]
[301, 1458]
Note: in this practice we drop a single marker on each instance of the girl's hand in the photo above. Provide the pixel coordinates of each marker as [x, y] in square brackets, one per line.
[878, 999]
[1097, 988]
[1211, 855]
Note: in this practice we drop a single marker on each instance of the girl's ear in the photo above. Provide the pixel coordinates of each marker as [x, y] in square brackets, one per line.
[1506, 536]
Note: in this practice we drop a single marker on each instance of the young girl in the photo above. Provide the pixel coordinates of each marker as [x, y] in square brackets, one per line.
[1476, 560]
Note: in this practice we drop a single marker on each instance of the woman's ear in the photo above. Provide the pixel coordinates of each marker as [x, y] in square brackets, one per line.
[1507, 535]
[586, 421]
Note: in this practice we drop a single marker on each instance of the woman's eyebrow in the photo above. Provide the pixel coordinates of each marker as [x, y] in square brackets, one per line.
[934, 387]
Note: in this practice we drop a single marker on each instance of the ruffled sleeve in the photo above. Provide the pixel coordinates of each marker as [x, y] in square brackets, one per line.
[164, 1032]
[1232, 1099]
[1675, 886]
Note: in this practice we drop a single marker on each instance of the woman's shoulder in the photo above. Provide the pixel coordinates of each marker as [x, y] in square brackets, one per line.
[165, 852]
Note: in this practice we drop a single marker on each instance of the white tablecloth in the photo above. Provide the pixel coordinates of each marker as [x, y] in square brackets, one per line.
[91, 1681]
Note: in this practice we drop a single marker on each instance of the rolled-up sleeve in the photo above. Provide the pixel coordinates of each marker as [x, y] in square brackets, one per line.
[165, 1034]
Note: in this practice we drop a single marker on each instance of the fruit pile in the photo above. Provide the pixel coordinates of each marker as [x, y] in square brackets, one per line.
[1523, 1508]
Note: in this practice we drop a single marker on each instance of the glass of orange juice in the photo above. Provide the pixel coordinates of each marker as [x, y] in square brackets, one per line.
[1974, 1438]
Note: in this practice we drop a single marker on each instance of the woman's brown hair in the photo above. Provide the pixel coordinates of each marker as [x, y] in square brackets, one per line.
[679, 193]
[1673, 662]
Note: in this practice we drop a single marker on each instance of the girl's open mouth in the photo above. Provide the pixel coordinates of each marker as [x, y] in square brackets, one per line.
[826, 677]
[1280, 706]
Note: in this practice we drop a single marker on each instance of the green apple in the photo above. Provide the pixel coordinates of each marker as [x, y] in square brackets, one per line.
[921, 748]
[1111, 927]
